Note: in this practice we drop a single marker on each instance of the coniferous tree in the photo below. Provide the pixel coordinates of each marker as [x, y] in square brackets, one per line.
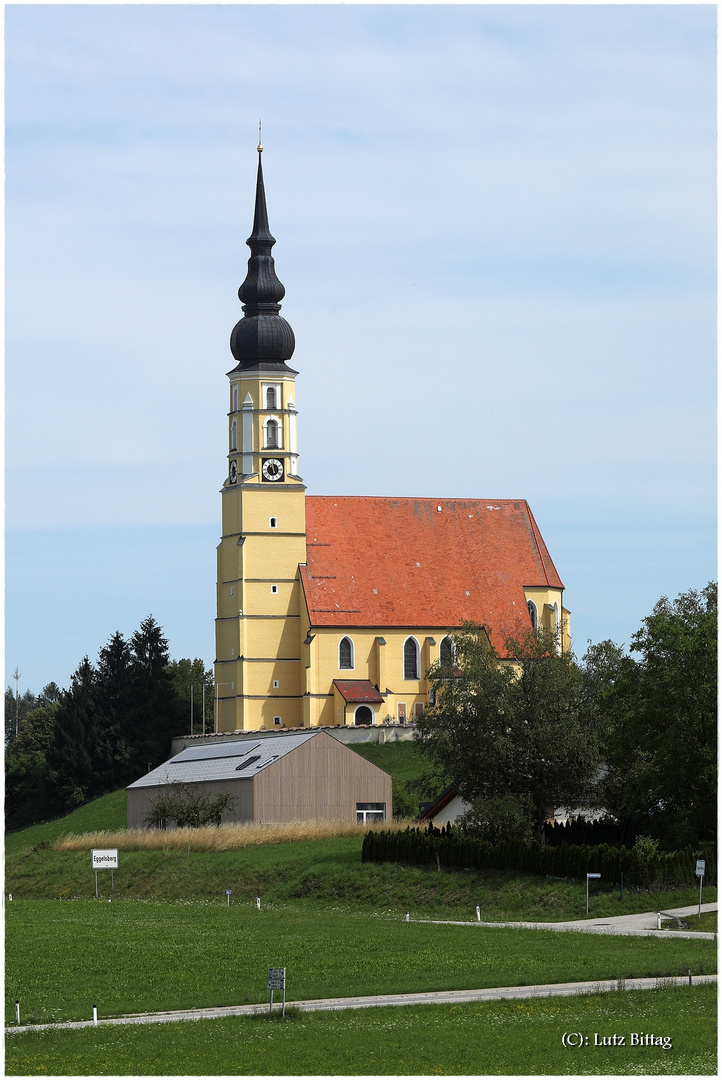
[73, 755]
[156, 712]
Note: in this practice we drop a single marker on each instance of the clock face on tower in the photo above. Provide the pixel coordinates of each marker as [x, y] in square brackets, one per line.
[233, 472]
[272, 469]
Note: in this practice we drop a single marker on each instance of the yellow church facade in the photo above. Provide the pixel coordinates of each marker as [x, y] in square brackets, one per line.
[330, 610]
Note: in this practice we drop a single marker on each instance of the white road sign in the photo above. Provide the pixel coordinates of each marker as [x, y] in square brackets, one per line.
[104, 859]
[700, 868]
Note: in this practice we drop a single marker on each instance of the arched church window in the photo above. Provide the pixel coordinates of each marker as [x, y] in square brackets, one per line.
[272, 435]
[234, 435]
[533, 614]
[345, 653]
[271, 397]
[411, 659]
[446, 652]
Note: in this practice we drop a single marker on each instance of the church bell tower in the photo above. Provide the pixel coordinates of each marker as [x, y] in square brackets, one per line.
[258, 646]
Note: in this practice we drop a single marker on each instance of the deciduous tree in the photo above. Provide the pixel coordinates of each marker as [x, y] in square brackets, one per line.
[516, 732]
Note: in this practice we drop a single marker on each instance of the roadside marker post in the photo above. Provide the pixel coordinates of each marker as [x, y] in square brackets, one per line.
[478, 914]
[228, 896]
[588, 877]
[700, 874]
[258, 902]
[17, 1013]
[95, 1014]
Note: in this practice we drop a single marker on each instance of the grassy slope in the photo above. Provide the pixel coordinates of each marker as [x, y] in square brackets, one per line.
[488, 1038]
[107, 812]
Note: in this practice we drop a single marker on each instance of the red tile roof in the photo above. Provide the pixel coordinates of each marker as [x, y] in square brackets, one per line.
[383, 562]
[357, 690]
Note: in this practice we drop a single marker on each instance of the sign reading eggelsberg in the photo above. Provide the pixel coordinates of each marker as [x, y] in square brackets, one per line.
[104, 859]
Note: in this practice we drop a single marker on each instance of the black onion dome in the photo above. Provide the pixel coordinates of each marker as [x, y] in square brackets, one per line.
[261, 336]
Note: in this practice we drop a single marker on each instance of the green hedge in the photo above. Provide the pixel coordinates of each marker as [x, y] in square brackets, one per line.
[453, 848]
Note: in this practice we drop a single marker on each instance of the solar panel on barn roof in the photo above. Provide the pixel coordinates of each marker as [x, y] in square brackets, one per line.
[207, 753]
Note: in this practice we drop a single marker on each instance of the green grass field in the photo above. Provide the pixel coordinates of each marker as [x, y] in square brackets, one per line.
[63, 957]
[168, 940]
[488, 1038]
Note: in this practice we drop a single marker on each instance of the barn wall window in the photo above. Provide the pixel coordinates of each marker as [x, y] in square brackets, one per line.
[345, 653]
[411, 658]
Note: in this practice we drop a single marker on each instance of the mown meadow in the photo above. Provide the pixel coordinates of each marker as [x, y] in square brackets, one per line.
[485, 1038]
[129, 956]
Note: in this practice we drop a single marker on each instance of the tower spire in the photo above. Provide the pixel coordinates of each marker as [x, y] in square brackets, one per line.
[262, 338]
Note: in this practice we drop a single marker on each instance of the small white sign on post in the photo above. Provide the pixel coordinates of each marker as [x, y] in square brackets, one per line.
[588, 877]
[700, 874]
[104, 859]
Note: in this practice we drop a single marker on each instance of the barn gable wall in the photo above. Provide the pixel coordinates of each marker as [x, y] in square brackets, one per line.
[321, 780]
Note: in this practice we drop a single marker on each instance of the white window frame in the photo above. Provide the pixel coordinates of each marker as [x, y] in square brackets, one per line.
[534, 617]
[417, 676]
[365, 705]
[265, 387]
[234, 434]
[279, 431]
[449, 638]
[353, 653]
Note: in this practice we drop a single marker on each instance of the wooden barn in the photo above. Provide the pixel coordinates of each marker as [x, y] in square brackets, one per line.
[304, 776]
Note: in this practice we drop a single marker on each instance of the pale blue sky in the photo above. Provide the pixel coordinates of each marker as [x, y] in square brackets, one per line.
[496, 228]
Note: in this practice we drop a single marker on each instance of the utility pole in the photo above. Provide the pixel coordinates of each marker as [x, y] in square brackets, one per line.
[16, 676]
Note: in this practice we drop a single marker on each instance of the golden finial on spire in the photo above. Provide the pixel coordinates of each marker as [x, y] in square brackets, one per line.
[259, 147]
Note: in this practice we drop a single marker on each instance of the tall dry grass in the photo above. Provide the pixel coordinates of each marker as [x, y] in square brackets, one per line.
[220, 837]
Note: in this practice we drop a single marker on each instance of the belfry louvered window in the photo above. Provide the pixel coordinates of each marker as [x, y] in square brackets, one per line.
[411, 659]
[345, 653]
[271, 397]
[272, 435]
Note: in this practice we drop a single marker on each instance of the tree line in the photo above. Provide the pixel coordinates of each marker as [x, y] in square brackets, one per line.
[115, 720]
[631, 734]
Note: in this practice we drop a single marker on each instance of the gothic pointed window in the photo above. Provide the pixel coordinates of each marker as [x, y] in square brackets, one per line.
[272, 435]
[446, 652]
[345, 653]
[533, 614]
[411, 659]
[271, 397]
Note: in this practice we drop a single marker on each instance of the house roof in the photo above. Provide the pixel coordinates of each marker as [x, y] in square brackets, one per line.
[223, 761]
[391, 562]
[357, 690]
[431, 809]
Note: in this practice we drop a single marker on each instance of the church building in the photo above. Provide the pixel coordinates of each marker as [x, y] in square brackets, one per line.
[330, 610]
